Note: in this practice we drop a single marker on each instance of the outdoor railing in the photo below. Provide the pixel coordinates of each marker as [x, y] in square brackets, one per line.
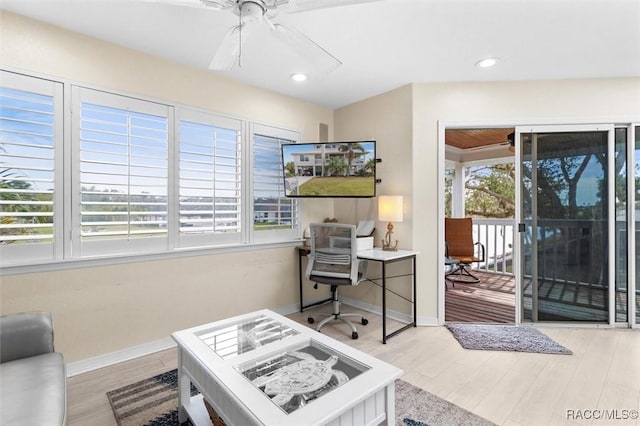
[497, 237]
[573, 237]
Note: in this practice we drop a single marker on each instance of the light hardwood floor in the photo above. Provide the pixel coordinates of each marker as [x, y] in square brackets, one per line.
[507, 388]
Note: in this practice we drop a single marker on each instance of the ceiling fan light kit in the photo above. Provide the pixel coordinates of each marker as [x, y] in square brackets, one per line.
[251, 11]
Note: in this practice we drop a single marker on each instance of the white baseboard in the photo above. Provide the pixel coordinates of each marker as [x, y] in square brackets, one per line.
[100, 361]
[290, 309]
[356, 303]
[423, 321]
[398, 316]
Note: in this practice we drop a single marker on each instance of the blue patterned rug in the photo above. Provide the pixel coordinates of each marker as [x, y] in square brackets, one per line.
[153, 402]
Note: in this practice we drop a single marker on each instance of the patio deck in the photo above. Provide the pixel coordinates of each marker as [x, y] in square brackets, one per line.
[492, 300]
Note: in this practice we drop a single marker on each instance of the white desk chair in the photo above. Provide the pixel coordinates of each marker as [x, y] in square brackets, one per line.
[333, 261]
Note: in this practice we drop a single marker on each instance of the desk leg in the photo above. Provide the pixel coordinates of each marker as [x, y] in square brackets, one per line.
[384, 302]
[415, 295]
[413, 323]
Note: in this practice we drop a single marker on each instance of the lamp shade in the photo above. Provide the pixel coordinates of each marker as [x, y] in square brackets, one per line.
[390, 208]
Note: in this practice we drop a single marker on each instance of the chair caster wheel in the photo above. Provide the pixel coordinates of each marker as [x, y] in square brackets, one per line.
[310, 320]
[364, 321]
[354, 335]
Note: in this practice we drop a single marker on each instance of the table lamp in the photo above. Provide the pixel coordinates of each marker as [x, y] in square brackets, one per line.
[390, 209]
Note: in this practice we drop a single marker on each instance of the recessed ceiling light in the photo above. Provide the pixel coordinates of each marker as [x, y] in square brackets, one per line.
[486, 62]
[298, 77]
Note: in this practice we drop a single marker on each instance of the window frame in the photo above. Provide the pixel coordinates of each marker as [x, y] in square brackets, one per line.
[51, 251]
[207, 238]
[65, 249]
[294, 233]
[118, 245]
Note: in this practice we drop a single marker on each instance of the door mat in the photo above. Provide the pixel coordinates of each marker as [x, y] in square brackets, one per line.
[505, 338]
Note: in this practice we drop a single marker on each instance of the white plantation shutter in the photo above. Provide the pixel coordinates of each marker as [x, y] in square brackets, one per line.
[137, 176]
[123, 173]
[30, 171]
[209, 179]
[275, 217]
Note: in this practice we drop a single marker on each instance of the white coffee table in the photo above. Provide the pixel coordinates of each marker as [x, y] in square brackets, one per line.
[262, 368]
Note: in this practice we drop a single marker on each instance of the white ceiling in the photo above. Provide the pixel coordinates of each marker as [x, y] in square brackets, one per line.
[382, 45]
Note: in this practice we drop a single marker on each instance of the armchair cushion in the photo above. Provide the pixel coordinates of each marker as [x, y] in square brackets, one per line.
[25, 334]
[34, 390]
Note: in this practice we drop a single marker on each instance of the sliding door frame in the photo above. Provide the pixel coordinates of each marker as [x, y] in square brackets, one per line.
[567, 128]
[631, 224]
[631, 124]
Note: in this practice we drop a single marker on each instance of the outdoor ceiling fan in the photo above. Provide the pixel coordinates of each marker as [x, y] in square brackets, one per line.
[510, 142]
[253, 13]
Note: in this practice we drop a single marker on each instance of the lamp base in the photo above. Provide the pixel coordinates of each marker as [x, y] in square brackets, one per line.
[386, 242]
[391, 248]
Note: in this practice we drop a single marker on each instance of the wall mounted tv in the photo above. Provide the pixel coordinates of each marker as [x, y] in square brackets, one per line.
[330, 169]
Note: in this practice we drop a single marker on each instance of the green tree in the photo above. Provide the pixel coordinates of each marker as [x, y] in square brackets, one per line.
[336, 166]
[290, 169]
[489, 191]
[448, 196]
[16, 192]
[369, 168]
[350, 149]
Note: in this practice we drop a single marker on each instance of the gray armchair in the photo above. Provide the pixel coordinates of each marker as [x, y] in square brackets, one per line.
[33, 388]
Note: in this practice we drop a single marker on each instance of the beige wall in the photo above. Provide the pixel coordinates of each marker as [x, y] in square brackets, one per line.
[409, 142]
[104, 309]
[542, 102]
[98, 310]
[32, 46]
[387, 119]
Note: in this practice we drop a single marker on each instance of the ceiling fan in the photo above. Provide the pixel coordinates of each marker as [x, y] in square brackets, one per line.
[510, 142]
[253, 13]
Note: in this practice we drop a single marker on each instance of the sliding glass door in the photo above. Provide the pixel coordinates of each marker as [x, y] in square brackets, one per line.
[634, 188]
[566, 223]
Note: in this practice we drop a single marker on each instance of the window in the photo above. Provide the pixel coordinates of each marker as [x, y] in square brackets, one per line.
[30, 199]
[122, 184]
[274, 215]
[210, 179]
[135, 176]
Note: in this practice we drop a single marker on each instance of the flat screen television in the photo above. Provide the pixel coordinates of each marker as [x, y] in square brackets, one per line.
[330, 169]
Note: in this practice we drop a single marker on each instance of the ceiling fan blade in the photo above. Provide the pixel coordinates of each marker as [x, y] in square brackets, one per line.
[229, 50]
[210, 4]
[218, 4]
[190, 3]
[305, 5]
[322, 60]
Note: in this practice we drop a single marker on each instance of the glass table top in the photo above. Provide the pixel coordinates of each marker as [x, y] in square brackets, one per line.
[229, 341]
[299, 375]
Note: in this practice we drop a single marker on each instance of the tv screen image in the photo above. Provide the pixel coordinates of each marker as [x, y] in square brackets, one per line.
[330, 169]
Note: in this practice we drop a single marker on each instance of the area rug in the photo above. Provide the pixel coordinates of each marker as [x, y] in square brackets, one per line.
[154, 401]
[505, 338]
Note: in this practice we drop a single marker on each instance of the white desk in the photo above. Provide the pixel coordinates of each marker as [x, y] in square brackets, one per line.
[314, 379]
[385, 258]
